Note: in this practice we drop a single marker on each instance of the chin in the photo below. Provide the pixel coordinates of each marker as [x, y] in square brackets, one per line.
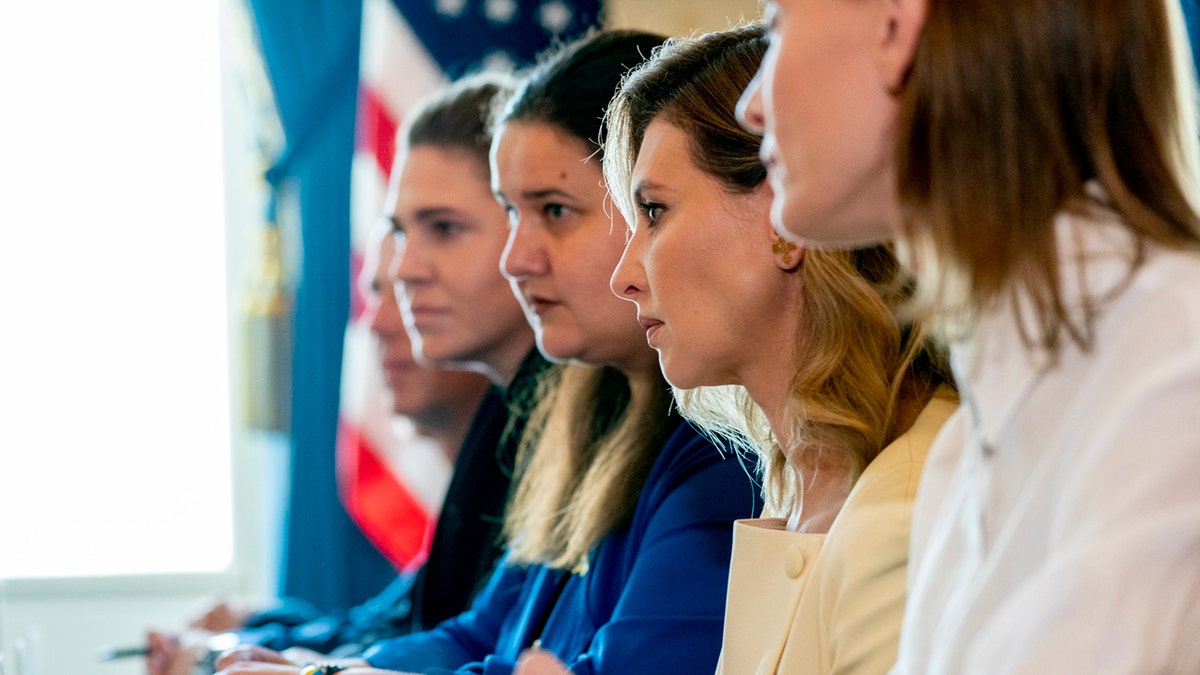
[559, 348]
[680, 379]
[437, 351]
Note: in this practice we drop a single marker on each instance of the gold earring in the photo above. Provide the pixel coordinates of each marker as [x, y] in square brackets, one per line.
[784, 247]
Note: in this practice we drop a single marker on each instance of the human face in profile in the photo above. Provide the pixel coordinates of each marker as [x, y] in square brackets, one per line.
[449, 237]
[825, 101]
[701, 267]
[563, 245]
[424, 394]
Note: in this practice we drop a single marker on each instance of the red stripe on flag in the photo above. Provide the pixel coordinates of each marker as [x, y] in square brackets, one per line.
[376, 128]
[386, 512]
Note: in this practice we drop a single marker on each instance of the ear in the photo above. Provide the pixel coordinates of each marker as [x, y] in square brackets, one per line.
[900, 29]
[787, 253]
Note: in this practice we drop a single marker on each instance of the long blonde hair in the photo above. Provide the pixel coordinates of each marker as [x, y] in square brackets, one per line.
[582, 463]
[852, 357]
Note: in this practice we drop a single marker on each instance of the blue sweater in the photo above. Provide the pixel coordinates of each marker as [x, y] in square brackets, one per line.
[653, 600]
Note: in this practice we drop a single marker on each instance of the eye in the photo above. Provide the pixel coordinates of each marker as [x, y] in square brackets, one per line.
[651, 211]
[445, 229]
[554, 211]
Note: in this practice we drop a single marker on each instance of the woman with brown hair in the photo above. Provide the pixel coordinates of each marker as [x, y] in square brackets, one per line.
[1038, 161]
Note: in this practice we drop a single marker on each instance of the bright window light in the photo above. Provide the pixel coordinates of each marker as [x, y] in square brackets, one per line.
[114, 447]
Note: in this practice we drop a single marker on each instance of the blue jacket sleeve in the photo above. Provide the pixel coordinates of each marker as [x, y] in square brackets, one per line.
[460, 640]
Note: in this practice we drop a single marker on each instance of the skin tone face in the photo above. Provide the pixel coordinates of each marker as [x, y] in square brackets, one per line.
[716, 302]
[433, 399]
[825, 102]
[564, 241]
[719, 299]
[449, 236]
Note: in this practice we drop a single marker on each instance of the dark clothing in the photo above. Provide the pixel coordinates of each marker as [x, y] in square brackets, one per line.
[466, 542]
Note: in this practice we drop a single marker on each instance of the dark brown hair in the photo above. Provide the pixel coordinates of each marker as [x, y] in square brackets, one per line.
[457, 116]
[590, 444]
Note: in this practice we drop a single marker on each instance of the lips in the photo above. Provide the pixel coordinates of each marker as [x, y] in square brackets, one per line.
[398, 366]
[651, 326]
[425, 314]
[540, 303]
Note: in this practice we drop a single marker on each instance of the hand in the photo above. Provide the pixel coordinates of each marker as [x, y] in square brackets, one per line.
[174, 654]
[540, 662]
[254, 654]
[260, 668]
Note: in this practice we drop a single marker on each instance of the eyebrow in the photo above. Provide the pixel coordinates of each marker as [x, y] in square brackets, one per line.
[436, 212]
[423, 215]
[545, 193]
[645, 185]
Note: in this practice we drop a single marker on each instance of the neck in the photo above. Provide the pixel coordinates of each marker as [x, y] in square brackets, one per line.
[448, 431]
[502, 365]
[822, 477]
[642, 385]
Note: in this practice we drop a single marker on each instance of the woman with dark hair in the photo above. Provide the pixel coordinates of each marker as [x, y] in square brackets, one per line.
[1037, 160]
[619, 528]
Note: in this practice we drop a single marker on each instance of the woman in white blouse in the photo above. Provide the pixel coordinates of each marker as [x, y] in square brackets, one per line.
[1038, 159]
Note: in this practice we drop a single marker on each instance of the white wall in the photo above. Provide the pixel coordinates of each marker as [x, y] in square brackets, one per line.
[62, 622]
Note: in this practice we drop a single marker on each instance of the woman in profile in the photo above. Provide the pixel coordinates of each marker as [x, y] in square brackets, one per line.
[619, 527]
[449, 234]
[799, 351]
[1038, 162]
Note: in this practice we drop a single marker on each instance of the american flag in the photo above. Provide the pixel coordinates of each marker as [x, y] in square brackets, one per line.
[390, 486]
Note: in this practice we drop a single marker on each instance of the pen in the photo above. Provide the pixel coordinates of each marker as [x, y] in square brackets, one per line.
[114, 653]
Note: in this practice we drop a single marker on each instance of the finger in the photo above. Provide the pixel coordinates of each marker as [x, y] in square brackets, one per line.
[540, 662]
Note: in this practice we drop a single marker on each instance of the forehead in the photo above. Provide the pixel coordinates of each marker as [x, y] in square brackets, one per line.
[429, 173]
[664, 152]
[536, 152]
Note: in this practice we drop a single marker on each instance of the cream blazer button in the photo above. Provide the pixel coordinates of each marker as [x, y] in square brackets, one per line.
[793, 562]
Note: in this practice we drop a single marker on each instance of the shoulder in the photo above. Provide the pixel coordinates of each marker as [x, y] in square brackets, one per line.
[871, 534]
[1141, 290]
[702, 478]
[688, 451]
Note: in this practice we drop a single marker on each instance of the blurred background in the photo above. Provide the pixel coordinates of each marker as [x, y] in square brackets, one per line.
[188, 399]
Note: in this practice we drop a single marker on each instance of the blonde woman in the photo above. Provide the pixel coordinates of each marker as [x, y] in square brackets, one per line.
[1038, 160]
[839, 397]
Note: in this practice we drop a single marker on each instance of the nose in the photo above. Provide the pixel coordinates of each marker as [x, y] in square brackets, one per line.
[409, 264]
[749, 107]
[386, 322]
[524, 256]
[629, 278]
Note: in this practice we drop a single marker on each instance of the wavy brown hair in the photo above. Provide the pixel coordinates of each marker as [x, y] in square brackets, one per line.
[1010, 110]
[853, 356]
